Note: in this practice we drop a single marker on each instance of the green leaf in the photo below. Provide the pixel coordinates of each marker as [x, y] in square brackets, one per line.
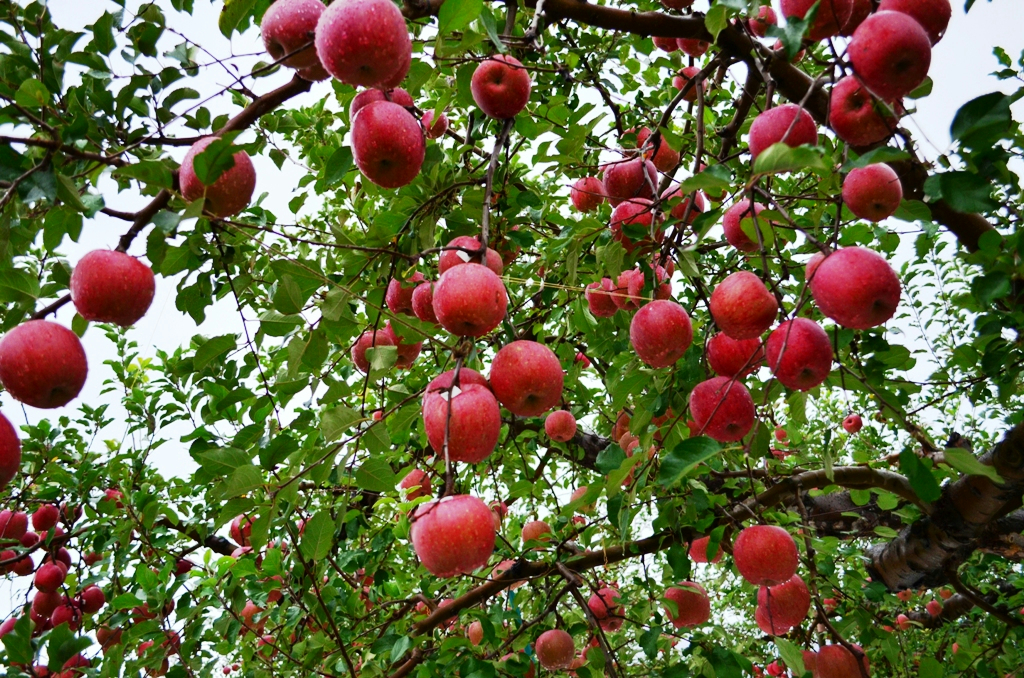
[317, 536]
[222, 462]
[685, 457]
[716, 19]
[242, 480]
[880, 154]
[338, 165]
[983, 121]
[59, 222]
[232, 14]
[32, 94]
[913, 210]
[921, 479]
[455, 15]
[404, 643]
[963, 191]
[68, 192]
[18, 642]
[750, 229]
[62, 645]
[20, 281]
[930, 667]
[215, 159]
[780, 158]
[714, 179]
[965, 462]
[288, 298]
[792, 34]
[609, 459]
[152, 172]
[491, 27]
[212, 349]
[376, 475]
[791, 654]
[922, 90]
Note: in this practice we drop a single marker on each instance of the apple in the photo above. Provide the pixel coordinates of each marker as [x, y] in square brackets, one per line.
[555, 650]
[890, 53]
[660, 333]
[664, 157]
[434, 129]
[699, 551]
[784, 605]
[387, 142]
[765, 18]
[112, 287]
[13, 524]
[49, 577]
[454, 535]
[636, 212]
[93, 599]
[367, 340]
[66, 614]
[560, 426]
[831, 16]
[933, 15]
[45, 517]
[113, 497]
[853, 423]
[423, 302]
[856, 287]
[474, 424]
[742, 306]
[240, 529]
[460, 251]
[693, 46]
[799, 354]
[536, 530]
[364, 42]
[779, 47]
[444, 380]
[581, 358]
[600, 298]
[368, 96]
[679, 202]
[861, 10]
[10, 453]
[636, 281]
[692, 605]
[835, 661]
[399, 296]
[526, 378]
[667, 44]
[475, 633]
[722, 409]
[788, 124]
[45, 602]
[288, 27]
[501, 86]
[605, 603]
[229, 194]
[416, 483]
[873, 192]
[578, 494]
[765, 555]
[587, 194]
[470, 300]
[729, 357]
[731, 224]
[407, 351]
[628, 290]
[630, 179]
[857, 117]
[42, 364]
[621, 427]
[683, 78]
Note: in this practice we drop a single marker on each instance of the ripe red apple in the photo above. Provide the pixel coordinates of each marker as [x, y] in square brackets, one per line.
[45, 602]
[501, 86]
[667, 44]
[42, 364]
[45, 517]
[693, 607]
[765, 18]
[664, 157]
[857, 117]
[407, 351]
[742, 306]
[660, 333]
[630, 179]
[699, 551]
[730, 357]
[693, 47]
[434, 129]
[853, 423]
[635, 282]
[683, 78]
[555, 650]
[288, 27]
[93, 599]
[831, 16]
[454, 257]
[560, 426]
[861, 10]
[527, 378]
[113, 497]
[722, 409]
[399, 293]
[835, 661]
[799, 354]
[601, 299]
[423, 302]
[605, 603]
[13, 524]
[536, 530]
[66, 614]
[387, 142]
[731, 224]
[776, 125]
[229, 194]
[49, 577]
[453, 536]
[933, 15]
[416, 483]
[367, 340]
[765, 555]
[474, 425]
[873, 192]
[475, 633]
[673, 196]
[364, 42]
[368, 96]
[635, 212]
[587, 194]
[784, 605]
[856, 287]
[469, 300]
[10, 453]
[112, 287]
[240, 529]
[890, 53]
[466, 376]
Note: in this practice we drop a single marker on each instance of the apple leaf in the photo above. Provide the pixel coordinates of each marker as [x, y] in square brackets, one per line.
[921, 479]
[716, 19]
[214, 160]
[455, 15]
[750, 229]
[317, 536]
[792, 34]
[212, 349]
[232, 14]
[965, 462]
[685, 457]
[18, 641]
[880, 154]
[242, 480]
[376, 475]
[780, 159]
[609, 459]
[714, 178]
[151, 172]
[791, 654]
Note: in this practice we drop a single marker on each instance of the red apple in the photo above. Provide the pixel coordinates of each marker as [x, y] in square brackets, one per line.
[473, 426]
[799, 354]
[42, 364]
[831, 16]
[453, 536]
[630, 179]
[288, 27]
[765, 18]
[635, 282]
[732, 220]
[722, 409]
[861, 10]
[368, 96]
[66, 614]
[367, 340]
[730, 357]
[857, 117]
[470, 300]
[601, 298]
[605, 603]
[461, 251]
[873, 192]
[890, 53]
[660, 333]
[628, 289]
[399, 294]
[527, 378]
[93, 599]
[434, 129]
[364, 42]
[423, 302]
[693, 607]
[667, 44]
[699, 551]
[664, 157]
[856, 287]
[501, 86]
[835, 661]
[560, 426]
[776, 125]
[578, 494]
[853, 423]
[45, 602]
[933, 15]
[475, 633]
[387, 142]
[765, 555]
[555, 650]
[45, 517]
[240, 529]
[678, 203]
[742, 306]
[587, 194]
[636, 212]
[13, 524]
[230, 193]
[407, 351]
[112, 287]
[784, 605]
[934, 608]
[10, 454]
[693, 47]
[466, 376]
[536, 530]
[683, 78]
[416, 483]
[49, 577]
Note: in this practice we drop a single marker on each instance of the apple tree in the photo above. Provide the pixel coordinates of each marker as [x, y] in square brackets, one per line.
[540, 336]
